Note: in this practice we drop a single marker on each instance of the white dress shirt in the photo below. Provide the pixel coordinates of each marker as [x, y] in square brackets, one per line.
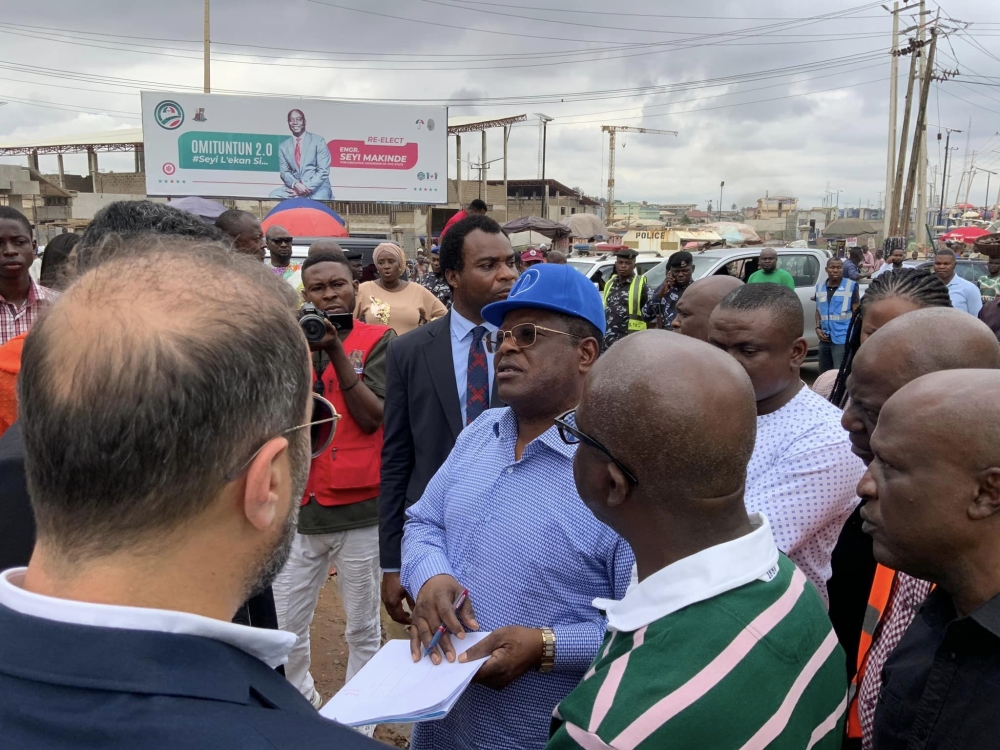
[461, 340]
[965, 295]
[696, 578]
[270, 646]
[803, 477]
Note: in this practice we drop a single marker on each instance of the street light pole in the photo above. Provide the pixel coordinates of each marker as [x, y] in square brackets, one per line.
[986, 205]
[721, 185]
[208, 47]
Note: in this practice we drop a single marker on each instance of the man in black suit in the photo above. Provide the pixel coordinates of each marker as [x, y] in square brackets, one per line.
[167, 441]
[429, 396]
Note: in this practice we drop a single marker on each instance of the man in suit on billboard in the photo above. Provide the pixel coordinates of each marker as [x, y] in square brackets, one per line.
[305, 163]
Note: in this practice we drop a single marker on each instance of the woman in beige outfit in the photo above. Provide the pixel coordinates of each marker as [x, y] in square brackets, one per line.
[389, 300]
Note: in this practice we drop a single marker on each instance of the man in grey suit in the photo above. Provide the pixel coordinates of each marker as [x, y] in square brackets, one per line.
[427, 393]
[305, 163]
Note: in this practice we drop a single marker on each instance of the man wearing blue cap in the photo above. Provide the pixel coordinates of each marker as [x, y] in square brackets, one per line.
[502, 518]
[434, 280]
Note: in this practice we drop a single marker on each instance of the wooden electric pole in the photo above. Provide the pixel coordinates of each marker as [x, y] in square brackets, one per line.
[890, 162]
[897, 188]
[925, 90]
[208, 47]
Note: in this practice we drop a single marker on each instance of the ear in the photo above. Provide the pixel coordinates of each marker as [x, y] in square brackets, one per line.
[451, 276]
[987, 500]
[306, 299]
[589, 350]
[353, 283]
[268, 481]
[619, 490]
[800, 350]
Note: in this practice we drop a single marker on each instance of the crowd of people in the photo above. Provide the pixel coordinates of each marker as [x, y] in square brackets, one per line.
[670, 538]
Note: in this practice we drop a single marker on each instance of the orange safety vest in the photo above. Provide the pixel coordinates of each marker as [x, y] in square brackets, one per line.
[878, 600]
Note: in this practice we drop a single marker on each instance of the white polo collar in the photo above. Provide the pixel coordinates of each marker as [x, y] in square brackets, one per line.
[696, 578]
[270, 646]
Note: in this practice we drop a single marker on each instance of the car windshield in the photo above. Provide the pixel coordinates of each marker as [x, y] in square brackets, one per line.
[703, 263]
[583, 266]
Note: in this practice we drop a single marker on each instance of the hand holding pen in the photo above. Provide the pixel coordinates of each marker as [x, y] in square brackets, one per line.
[443, 612]
[441, 628]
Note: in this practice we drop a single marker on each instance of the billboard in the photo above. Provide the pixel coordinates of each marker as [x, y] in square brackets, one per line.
[215, 145]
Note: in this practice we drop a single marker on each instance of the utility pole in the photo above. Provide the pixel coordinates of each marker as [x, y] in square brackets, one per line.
[897, 189]
[911, 183]
[944, 171]
[208, 47]
[972, 173]
[890, 164]
[721, 185]
[921, 234]
[458, 169]
[986, 205]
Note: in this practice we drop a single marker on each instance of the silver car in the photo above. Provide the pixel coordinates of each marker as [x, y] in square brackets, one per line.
[806, 265]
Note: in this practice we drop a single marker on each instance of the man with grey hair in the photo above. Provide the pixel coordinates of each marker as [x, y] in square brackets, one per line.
[965, 295]
[167, 435]
[243, 230]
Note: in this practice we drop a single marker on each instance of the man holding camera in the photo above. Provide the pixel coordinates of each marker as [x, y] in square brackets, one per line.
[338, 520]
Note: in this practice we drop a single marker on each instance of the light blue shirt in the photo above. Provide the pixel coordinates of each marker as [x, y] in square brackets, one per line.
[461, 340]
[518, 536]
[965, 295]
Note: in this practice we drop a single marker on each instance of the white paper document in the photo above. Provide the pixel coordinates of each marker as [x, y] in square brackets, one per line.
[391, 688]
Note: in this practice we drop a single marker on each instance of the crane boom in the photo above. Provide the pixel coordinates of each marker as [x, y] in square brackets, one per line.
[611, 130]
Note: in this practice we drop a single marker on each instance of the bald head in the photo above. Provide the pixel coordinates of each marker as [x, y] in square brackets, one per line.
[655, 394]
[914, 344]
[325, 247]
[556, 256]
[925, 341]
[695, 306]
[935, 513]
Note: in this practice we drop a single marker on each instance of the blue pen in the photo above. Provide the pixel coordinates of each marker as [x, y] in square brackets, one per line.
[441, 628]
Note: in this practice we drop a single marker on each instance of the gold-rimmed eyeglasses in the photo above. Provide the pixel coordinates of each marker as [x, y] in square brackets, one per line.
[522, 336]
[322, 429]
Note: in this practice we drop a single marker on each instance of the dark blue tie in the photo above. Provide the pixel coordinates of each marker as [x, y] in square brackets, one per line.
[477, 383]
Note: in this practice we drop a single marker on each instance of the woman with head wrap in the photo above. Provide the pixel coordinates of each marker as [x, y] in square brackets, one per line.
[393, 302]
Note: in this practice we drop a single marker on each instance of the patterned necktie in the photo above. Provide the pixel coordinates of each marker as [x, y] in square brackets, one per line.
[298, 152]
[477, 388]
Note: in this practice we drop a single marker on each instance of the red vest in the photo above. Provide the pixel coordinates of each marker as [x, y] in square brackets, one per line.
[348, 471]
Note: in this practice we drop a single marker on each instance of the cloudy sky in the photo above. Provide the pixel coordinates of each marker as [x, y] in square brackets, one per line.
[783, 96]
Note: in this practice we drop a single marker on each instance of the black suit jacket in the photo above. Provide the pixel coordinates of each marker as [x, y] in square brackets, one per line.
[76, 686]
[423, 417]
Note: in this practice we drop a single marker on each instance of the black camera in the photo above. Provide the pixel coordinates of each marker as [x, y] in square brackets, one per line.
[313, 322]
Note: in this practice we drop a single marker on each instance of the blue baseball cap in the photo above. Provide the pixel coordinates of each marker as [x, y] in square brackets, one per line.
[557, 288]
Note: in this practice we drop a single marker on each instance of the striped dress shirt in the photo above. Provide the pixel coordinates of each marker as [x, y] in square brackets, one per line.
[15, 320]
[518, 536]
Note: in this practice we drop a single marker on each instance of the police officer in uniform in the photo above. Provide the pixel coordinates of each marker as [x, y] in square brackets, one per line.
[625, 296]
[434, 280]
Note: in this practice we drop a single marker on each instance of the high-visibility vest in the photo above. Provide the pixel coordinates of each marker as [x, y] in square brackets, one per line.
[635, 319]
[836, 311]
[882, 588]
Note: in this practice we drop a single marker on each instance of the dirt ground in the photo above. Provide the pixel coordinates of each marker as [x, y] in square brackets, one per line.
[329, 658]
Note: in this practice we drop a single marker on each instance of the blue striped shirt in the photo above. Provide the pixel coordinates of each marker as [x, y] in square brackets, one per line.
[517, 534]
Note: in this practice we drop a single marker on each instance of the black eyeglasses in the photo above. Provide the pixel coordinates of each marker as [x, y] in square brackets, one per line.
[322, 428]
[281, 240]
[572, 436]
[523, 336]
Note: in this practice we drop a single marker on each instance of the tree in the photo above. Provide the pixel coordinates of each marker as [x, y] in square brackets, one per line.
[709, 209]
[685, 219]
[734, 207]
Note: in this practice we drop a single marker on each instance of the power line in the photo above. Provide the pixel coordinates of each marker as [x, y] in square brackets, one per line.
[72, 108]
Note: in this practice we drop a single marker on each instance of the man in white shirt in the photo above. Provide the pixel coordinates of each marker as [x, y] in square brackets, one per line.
[167, 440]
[894, 263]
[965, 295]
[802, 474]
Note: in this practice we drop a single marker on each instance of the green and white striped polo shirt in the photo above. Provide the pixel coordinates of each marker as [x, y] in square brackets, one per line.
[756, 664]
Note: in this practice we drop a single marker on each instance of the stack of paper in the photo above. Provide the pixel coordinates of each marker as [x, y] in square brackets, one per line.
[391, 688]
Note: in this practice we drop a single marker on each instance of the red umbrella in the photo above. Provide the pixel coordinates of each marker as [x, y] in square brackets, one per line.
[964, 234]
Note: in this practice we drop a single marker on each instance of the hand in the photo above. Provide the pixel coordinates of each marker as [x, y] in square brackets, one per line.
[393, 594]
[512, 650]
[436, 604]
[665, 287]
[329, 343]
[822, 335]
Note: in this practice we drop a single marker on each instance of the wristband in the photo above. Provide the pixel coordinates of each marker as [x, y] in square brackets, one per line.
[356, 381]
[548, 650]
